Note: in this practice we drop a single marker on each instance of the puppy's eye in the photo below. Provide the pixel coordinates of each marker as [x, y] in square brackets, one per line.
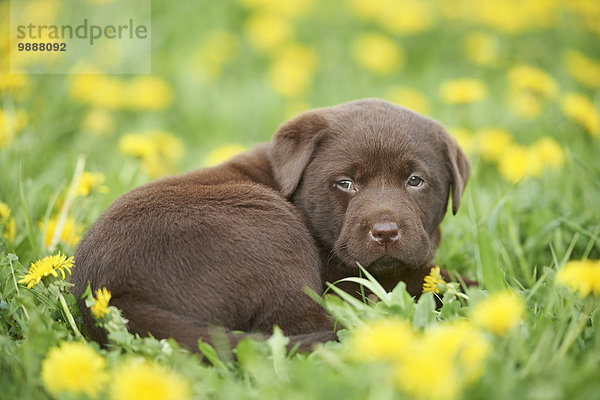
[346, 185]
[415, 181]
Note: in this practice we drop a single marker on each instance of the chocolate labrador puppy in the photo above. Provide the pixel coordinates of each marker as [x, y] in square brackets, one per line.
[235, 245]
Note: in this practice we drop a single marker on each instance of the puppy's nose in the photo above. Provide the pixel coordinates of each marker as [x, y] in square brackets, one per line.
[384, 232]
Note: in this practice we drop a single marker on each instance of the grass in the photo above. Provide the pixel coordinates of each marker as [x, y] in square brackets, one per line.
[510, 232]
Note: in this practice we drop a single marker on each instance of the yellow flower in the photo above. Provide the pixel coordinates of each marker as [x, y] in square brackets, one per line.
[8, 226]
[514, 16]
[499, 313]
[463, 91]
[384, 339]
[366, 9]
[493, 143]
[98, 121]
[583, 69]
[148, 92]
[464, 138]
[481, 48]
[451, 353]
[74, 367]
[266, 31]
[377, 53]
[150, 144]
[284, 8]
[137, 145]
[432, 282]
[409, 98]
[525, 104]
[396, 16]
[168, 146]
[51, 265]
[90, 181]
[69, 235]
[582, 277]
[549, 152]
[9, 81]
[588, 11]
[222, 154]
[100, 307]
[10, 125]
[144, 380]
[292, 70]
[98, 90]
[218, 49]
[405, 16]
[581, 110]
[518, 163]
[158, 150]
[526, 77]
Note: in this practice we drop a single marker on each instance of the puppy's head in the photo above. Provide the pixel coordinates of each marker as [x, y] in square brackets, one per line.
[372, 181]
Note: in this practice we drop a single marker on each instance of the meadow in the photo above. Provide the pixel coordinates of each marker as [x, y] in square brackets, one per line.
[516, 82]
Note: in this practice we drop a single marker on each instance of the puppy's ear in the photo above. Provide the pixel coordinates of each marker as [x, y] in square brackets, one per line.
[459, 168]
[293, 145]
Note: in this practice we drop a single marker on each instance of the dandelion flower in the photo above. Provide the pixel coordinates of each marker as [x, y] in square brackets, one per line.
[525, 104]
[366, 9]
[519, 163]
[148, 92]
[218, 49]
[585, 70]
[158, 150]
[266, 31]
[10, 81]
[581, 109]
[168, 146]
[409, 98]
[432, 282]
[549, 152]
[513, 16]
[137, 145]
[91, 181]
[99, 122]
[74, 367]
[284, 8]
[144, 380]
[10, 125]
[222, 154]
[464, 138]
[499, 313]
[398, 17]
[463, 91]
[69, 235]
[7, 223]
[47, 266]
[583, 277]
[100, 307]
[406, 16]
[382, 339]
[99, 90]
[292, 70]
[481, 48]
[453, 353]
[526, 77]
[377, 53]
[493, 143]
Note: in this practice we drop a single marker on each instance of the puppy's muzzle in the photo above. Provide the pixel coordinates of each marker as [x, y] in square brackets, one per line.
[384, 233]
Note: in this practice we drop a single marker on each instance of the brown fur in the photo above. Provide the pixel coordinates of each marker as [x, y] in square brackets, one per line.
[236, 244]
